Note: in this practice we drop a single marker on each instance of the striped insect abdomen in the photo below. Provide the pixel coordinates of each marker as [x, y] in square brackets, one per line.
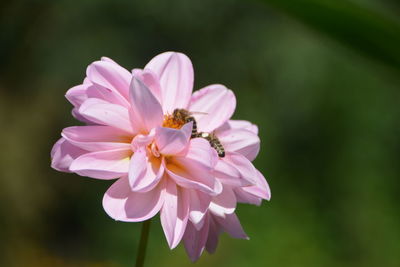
[214, 143]
[194, 129]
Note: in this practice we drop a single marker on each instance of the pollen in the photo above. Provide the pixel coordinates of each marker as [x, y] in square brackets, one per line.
[172, 122]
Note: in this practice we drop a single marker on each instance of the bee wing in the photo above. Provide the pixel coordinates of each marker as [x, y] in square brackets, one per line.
[198, 113]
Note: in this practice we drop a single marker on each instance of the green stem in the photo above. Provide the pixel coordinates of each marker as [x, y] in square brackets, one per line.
[143, 243]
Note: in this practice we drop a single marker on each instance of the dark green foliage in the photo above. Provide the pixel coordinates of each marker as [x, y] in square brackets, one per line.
[328, 118]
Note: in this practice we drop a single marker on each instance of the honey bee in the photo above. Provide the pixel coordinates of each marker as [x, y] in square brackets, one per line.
[214, 142]
[183, 115]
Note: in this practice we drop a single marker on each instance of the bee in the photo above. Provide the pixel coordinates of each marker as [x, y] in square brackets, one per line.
[183, 115]
[214, 142]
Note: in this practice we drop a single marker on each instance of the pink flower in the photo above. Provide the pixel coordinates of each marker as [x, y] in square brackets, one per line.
[132, 136]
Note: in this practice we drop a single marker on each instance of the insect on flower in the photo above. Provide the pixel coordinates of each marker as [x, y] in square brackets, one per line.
[179, 117]
[214, 142]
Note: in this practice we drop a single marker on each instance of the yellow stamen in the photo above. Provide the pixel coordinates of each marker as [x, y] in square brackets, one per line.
[171, 122]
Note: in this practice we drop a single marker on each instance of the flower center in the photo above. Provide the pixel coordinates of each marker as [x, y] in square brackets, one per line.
[171, 121]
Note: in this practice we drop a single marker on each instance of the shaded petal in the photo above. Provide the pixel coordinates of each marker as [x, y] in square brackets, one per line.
[228, 174]
[121, 204]
[195, 240]
[142, 140]
[173, 141]
[218, 187]
[194, 169]
[213, 235]
[261, 189]
[110, 75]
[238, 124]
[245, 197]
[97, 138]
[150, 79]
[63, 153]
[199, 203]
[231, 225]
[241, 141]
[103, 164]
[174, 214]
[187, 180]
[199, 153]
[104, 113]
[217, 102]
[224, 203]
[175, 73]
[110, 96]
[243, 165]
[144, 172]
[75, 113]
[77, 94]
[146, 112]
[108, 59]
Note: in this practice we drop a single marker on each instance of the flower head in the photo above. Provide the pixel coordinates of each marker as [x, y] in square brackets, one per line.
[134, 134]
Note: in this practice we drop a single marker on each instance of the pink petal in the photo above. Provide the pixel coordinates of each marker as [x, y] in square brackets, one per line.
[150, 79]
[217, 102]
[245, 197]
[103, 164]
[104, 113]
[187, 180]
[231, 225]
[146, 112]
[228, 174]
[213, 234]
[241, 141]
[108, 59]
[175, 72]
[174, 214]
[173, 141]
[142, 140]
[238, 124]
[110, 75]
[243, 165]
[77, 94]
[195, 240]
[63, 153]
[145, 171]
[224, 203]
[75, 113]
[200, 152]
[218, 187]
[121, 204]
[97, 138]
[98, 91]
[261, 189]
[199, 203]
[194, 170]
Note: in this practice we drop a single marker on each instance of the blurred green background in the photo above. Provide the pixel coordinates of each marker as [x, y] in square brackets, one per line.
[321, 79]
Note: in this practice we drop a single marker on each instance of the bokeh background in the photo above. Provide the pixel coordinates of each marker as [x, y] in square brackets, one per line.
[321, 79]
